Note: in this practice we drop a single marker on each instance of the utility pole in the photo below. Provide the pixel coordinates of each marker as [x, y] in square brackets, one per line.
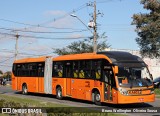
[16, 46]
[95, 29]
[93, 24]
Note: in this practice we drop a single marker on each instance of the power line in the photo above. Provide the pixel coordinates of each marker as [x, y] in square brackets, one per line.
[39, 54]
[6, 65]
[23, 53]
[110, 29]
[38, 31]
[7, 59]
[28, 36]
[67, 14]
[40, 25]
[35, 25]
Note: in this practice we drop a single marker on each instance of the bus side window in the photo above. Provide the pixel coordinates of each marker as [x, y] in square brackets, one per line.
[81, 68]
[81, 74]
[68, 69]
[57, 69]
[75, 74]
[32, 69]
[87, 69]
[18, 70]
[23, 71]
[60, 73]
[40, 69]
[98, 74]
[106, 76]
[60, 70]
[75, 69]
[14, 69]
[96, 69]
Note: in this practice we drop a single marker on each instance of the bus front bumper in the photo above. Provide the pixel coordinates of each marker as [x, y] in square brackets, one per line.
[122, 99]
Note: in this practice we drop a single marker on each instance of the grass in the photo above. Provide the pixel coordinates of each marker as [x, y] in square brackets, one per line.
[157, 96]
[12, 101]
[29, 102]
[157, 91]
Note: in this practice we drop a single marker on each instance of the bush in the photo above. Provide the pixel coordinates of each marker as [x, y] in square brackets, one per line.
[4, 103]
[157, 91]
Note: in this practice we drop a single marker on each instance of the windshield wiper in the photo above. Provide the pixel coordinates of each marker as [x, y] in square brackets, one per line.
[132, 78]
[131, 85]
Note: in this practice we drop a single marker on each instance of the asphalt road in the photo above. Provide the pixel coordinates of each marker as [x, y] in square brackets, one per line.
[80, 103]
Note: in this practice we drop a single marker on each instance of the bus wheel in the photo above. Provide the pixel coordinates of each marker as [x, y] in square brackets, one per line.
[59, 93]
[97, 98]
[24, 89]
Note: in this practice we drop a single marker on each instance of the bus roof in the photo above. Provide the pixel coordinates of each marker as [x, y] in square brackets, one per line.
[25, 60]
[80, 57]
[118, 56]
[111, 56]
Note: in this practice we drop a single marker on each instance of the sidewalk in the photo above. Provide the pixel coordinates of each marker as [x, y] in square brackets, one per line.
[7, 84]
[158, 96]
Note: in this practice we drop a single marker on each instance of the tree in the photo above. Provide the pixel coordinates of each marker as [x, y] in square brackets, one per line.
[1, 72]
[84, 46]
[148, 29]
[7, 75]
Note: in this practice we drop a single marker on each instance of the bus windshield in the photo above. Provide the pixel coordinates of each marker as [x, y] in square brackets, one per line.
[134, 77]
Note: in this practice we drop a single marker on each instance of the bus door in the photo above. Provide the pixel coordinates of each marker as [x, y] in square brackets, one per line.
[68, 73]
[109, 82]
[40, 77]
[68, 86]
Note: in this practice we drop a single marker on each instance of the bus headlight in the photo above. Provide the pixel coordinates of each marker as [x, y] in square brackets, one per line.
[123, 91]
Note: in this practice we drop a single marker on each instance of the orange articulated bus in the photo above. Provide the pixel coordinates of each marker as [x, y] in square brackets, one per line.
[109, 77]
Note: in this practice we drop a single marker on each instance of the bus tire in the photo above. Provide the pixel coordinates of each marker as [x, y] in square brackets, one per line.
[97, 98]
[24, 89]
[59, 93]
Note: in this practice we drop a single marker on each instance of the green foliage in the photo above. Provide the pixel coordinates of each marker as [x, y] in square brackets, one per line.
[84, 46]
[148, 29]
[4, 103]
[1, 72]
[157, 91]
[7, 75]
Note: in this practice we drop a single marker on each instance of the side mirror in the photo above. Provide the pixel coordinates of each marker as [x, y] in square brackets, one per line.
[116, 69]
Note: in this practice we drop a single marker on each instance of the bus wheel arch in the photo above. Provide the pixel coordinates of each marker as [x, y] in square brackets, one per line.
[96, 97]
[59, 92]
[24, 89]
